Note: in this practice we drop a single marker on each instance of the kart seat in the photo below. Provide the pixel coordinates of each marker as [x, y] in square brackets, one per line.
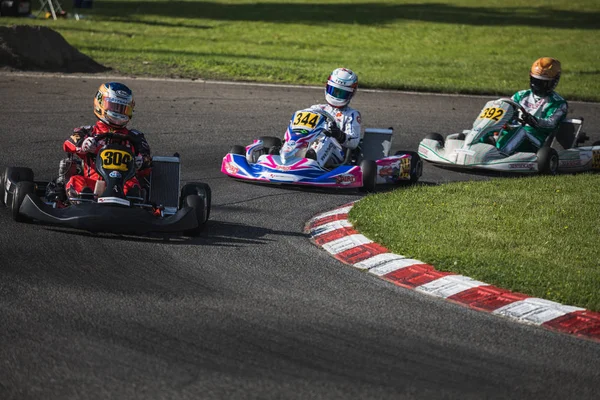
[376, 143]
[568, 134]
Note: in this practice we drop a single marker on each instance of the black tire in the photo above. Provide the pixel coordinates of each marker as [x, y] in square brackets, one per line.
[369, 176]
[22, 189]
[436, 136]
[237, 149]
[199, 204]
[270, 141]
[596, 143]
[18, 174]
[416, 166]
[547, 159]
[2, 189]
[198, 189]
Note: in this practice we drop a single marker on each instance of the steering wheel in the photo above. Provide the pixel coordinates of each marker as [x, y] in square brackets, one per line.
[111, 135]
[330, 118]
[518, 107]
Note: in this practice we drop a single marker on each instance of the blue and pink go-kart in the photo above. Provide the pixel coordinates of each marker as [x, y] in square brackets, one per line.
[269, 160]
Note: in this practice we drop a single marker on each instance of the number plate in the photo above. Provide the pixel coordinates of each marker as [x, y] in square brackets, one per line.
[305, 120]
[115, 160]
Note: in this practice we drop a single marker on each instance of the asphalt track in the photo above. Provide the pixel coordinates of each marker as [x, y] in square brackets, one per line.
[251, 309]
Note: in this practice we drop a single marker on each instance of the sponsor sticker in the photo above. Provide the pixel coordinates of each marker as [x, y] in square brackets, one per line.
[115, 174]
[345, 179]
[570, 163]
[231, 169]
[521, 166]
[596, 159]
[283, 168]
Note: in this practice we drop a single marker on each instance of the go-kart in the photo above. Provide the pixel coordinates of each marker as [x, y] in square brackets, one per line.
[269, 160]
[160, 207]
[475, 148]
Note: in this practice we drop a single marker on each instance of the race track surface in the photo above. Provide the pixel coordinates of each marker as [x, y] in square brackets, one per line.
[250, 309]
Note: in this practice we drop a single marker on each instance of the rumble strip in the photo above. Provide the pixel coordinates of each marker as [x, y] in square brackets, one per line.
[333, 232]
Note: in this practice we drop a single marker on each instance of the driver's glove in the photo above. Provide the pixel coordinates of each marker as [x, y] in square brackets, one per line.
[336, 133]
[89, 145]
[139, 161]
[530, 120]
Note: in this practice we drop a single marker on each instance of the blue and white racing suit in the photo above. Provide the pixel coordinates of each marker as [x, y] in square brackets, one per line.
[329, 151]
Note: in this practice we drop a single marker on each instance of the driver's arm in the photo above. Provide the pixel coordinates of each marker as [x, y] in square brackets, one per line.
[351, 127]
[142, 148]
[73, 143]
[554, 117]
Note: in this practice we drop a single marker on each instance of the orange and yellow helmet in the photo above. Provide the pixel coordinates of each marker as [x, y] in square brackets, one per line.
[544, 76]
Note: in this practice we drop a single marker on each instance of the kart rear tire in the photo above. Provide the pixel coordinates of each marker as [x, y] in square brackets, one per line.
[436, 136]
[269, 142]
[369, 176]
[198, 189]
[200, 206]
[416, 166]
[237, 149]
[547, 159]
[22, 189]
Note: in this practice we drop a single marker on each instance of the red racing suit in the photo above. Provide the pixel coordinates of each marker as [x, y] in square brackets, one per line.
[72, 145]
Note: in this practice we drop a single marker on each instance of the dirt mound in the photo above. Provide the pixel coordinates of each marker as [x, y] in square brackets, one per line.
[42, 49]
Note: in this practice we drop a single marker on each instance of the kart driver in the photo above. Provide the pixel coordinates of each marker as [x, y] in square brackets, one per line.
[545, 108]
[113, 106]
[340, 88]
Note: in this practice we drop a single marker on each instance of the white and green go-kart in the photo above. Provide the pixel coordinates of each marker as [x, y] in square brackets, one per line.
[475, 148]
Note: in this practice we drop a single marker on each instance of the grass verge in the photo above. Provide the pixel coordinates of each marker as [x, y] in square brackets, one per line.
[535, 235]
[458, 46]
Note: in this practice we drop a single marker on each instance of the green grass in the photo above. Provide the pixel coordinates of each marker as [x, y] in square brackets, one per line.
[457, 46]
[535, 235]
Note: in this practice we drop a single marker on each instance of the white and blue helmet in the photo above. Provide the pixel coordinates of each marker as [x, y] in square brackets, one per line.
[341, 86]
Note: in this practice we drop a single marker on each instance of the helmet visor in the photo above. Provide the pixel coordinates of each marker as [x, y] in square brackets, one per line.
[117, 106]
[542, 87]
[339, 93]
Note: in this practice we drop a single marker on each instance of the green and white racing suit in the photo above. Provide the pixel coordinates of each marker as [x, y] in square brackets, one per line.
[549, 111]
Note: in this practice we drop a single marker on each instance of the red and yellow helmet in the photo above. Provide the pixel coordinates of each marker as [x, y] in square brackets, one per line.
[114, 104]
[544, 75]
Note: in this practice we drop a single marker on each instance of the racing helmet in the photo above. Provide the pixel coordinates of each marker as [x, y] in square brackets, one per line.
[114, 104]
[341, 86]
[544, 76]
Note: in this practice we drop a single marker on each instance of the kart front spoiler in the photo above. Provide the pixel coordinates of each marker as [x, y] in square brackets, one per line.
[343, 177]
[95, 217]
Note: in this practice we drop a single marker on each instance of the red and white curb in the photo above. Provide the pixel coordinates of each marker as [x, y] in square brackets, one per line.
[334, 233]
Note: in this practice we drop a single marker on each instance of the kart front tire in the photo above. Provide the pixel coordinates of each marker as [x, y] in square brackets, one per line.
[547, 159]
[237, 149]
[22, 189]
[2, 189]
[269, 142]
[437, 137]
[200, 206]
[199, 189]
[18, 174]
[369, 176]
